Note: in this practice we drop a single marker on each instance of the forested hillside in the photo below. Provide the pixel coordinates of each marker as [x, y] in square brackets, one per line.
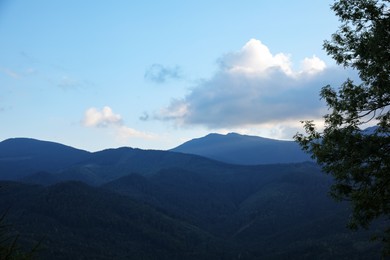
[138, 204]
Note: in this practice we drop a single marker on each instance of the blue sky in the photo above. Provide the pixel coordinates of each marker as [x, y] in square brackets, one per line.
[153, 74]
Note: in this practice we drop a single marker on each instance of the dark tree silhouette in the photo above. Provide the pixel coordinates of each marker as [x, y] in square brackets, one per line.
[359, 160]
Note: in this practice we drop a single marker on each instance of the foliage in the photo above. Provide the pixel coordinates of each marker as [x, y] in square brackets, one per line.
[79, 221]
[260, 212]
[9, 249]
[359, 160]
[166, 205]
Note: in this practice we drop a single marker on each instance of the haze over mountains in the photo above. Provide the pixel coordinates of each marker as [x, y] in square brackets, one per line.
[129, 203]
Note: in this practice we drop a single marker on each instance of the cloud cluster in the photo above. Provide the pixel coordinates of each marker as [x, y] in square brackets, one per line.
[160, 74]
[105, 117]
[254, 87]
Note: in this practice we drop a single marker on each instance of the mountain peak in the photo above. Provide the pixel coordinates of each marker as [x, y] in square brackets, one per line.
[20, 156]
[30, 145]
[244, 149]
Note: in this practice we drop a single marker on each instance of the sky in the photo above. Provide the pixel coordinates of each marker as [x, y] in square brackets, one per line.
[97, 74]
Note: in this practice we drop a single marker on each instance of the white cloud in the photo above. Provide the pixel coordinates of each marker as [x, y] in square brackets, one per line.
[125, 132]
[255, 58]
[283, 130]
[253, 87]
[101, 118]
[105, 118]
[312, 65]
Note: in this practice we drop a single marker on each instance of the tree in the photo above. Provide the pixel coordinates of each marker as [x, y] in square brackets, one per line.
[358, 160]
[9, 249]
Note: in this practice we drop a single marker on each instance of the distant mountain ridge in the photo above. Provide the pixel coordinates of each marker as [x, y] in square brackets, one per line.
[128, 203]
[244, 149]
[46, 163]
[23, 156]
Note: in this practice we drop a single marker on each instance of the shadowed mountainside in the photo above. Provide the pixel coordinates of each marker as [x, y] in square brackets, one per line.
[244, 149]
[147, 204]
[20, 157]
[76, 221]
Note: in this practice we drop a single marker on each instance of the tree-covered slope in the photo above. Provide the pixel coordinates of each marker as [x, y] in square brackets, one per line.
[244, 149]
[145, 203]
[108, 165]
[20, 157]
[282, 210]
[76, 221]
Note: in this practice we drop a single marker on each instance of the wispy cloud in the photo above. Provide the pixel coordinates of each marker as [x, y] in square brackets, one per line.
[69, 83]
[125, 132]
[9, 72]
[160, 74]
[254, 87]
[55, 74]
[105, 117]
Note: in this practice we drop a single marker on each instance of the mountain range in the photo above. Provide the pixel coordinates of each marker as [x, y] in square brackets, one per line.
[244, 149]
[130, 203]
